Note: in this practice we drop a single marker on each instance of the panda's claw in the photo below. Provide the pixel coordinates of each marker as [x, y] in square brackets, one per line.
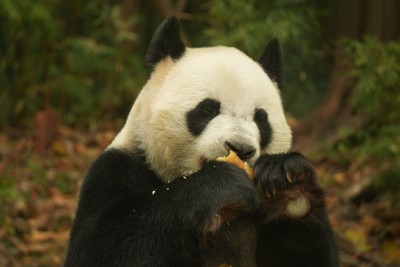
[291, 171]
[289, 177]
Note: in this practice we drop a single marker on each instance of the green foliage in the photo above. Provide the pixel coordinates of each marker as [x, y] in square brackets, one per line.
[66, 182]
[85, 58]
[71, 55]
[296, 23]
[8, 195]
[376, 68]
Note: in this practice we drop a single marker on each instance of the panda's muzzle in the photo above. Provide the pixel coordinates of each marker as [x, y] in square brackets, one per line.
[244, 151]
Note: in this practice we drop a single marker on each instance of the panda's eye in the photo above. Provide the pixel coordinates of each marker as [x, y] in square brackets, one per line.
[210, 107]
[261, 120]
[198, 118]
[260, 116]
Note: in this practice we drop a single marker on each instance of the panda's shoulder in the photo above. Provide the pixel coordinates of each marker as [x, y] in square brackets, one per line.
[113, 159]
[117, 167]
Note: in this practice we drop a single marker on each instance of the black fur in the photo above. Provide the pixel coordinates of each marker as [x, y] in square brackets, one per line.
[301, 243]
[261, 119]
[198, 118]
[272, 62]
[128, 217]
[166, 42]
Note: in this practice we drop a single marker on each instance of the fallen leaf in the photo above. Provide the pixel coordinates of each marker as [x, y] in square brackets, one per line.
[359, 238]
[370, 224]
[59, 148]
[391, 252]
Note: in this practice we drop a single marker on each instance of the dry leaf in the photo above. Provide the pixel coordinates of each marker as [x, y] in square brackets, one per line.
[359, 238]
[59, 148]
[391, 252]
[370, 224]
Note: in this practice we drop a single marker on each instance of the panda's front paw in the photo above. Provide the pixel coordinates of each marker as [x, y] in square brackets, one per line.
[228, 194]
[288, 185]
[274, 173]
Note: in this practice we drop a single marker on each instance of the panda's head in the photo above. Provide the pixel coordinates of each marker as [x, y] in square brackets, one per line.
[199, 103]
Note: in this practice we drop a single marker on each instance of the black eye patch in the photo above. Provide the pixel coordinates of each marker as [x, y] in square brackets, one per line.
[198, 118]
[261, 119]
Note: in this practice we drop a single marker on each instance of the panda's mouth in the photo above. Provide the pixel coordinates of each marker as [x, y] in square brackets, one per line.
[233, 159]
[203, 160]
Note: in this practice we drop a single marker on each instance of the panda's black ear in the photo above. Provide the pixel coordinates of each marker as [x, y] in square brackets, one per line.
[271, 61]
[165, 42]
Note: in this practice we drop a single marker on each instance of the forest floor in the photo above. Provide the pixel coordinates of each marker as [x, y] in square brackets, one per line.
[38, 199]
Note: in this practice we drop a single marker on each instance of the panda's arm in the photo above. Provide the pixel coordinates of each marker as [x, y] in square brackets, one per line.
[296, 231]
[125, 209]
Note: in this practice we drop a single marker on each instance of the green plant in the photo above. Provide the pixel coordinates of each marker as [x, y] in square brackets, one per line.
[375, 99]
[377, 71]
[70, 55]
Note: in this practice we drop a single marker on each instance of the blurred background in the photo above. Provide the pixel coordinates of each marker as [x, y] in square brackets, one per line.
[70, 71]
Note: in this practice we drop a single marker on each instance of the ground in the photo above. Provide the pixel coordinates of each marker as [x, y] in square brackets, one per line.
[39, 192]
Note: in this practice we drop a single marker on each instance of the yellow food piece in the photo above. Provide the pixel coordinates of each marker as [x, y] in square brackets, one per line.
[249, 170]
[234, 159]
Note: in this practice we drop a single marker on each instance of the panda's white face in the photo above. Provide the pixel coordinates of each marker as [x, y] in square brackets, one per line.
[197, 108]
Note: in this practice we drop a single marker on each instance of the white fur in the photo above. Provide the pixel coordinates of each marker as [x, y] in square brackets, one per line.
[157, 121]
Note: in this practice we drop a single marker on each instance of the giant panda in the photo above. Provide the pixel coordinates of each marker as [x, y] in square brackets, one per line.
[157, 196]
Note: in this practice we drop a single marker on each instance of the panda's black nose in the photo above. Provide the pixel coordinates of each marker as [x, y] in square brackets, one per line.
[242, 150]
